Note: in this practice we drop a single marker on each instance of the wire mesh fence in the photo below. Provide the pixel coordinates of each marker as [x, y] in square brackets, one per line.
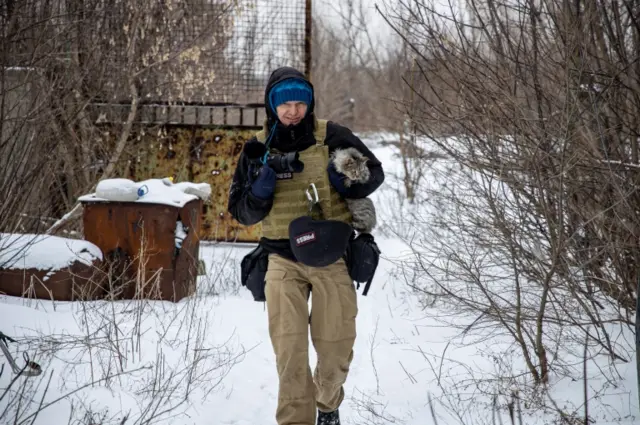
[266, 34]
[198, 51]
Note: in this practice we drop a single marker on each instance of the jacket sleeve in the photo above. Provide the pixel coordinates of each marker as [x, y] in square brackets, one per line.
[246, 208]
[341, 137]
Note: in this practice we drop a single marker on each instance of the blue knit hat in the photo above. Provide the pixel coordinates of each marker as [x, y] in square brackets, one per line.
[290, 90]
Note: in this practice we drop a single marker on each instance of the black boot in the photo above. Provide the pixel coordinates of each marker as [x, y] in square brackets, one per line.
[331, 418]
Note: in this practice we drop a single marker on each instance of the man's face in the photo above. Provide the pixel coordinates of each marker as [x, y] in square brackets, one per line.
[291, 113]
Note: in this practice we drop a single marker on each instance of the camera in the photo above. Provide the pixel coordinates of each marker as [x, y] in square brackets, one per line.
[285, 163]
[280, 163]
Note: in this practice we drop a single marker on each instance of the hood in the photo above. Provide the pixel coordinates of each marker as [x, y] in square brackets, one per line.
[281, 74]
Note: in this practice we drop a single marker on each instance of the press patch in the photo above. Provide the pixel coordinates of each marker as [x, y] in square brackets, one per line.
[284, 176]
[305, 238]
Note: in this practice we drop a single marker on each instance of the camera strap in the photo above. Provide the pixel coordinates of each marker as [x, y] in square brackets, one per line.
[267, 143]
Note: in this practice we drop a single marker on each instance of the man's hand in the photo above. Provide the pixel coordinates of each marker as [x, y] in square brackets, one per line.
[265, 183]
[336, 179]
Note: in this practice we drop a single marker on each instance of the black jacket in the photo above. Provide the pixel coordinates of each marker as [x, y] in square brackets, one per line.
[248, 209]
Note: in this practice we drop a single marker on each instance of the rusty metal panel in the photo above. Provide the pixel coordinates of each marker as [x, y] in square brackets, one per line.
[216, 156]
[76, 282]
[187, 114]
[159, 152]
[141, 236]
[186, 263]
[198, 154]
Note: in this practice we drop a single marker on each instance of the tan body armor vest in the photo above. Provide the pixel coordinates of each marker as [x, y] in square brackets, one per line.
[290, 200]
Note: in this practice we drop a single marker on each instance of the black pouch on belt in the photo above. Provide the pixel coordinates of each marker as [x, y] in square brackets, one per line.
[362, 258]
[253, 269]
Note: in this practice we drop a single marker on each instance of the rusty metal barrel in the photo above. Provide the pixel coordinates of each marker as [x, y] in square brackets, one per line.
[150, 245]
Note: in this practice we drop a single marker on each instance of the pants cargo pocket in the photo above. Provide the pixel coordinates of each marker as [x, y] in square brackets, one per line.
[287, 294]
[333, 331]
[273, 294]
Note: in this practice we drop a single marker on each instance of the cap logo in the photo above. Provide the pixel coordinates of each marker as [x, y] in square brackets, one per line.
[305, 238]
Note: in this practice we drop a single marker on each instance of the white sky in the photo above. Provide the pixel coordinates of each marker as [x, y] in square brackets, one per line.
[330, 9]
[381, 30]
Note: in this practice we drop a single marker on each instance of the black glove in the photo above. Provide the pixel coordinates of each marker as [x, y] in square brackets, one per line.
[336, 179]
[264, 185]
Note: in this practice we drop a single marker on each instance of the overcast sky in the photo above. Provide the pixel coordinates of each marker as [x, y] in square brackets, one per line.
[330, 8]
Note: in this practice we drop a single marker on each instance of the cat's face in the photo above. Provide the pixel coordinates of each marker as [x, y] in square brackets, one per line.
[354, 168]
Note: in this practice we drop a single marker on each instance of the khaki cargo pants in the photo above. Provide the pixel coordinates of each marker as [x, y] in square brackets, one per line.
[333, 333]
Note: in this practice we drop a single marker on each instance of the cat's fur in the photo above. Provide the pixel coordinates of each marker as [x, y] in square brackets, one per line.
[363, 214]
[353, 164]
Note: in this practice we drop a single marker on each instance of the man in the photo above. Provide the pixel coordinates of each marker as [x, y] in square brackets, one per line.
[260, 194]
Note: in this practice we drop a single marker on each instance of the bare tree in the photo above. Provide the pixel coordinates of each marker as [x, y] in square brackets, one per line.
[532, 231]
[60, 59]
[358, 77]
[364, 82]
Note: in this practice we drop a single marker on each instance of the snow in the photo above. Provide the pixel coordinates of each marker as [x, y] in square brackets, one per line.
[180, 233]
[20, 68]
[42, 252]
[154, 191]
[614, 162]
[406, 353]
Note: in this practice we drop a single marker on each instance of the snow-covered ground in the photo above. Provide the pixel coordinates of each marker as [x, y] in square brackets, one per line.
[214, 347]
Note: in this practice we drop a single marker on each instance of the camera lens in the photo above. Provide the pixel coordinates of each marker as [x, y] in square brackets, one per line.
[287, 163]
[284, 163]
[293, 162]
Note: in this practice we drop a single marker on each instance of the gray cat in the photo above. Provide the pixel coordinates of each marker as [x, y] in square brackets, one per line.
[353, 164]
